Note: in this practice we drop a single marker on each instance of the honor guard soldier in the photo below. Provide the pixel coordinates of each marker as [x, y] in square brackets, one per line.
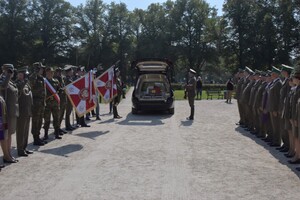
[273, 106]
[52, 104]
[25, 106]
[38, 89]
[117, 99]
[62, 95]
[284, 91]
[68, 79]
[9, 91]
[191, 92]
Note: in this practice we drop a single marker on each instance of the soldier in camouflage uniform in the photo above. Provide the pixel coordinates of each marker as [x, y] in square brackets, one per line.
[52, 105]
[62, 95]
[38, 89]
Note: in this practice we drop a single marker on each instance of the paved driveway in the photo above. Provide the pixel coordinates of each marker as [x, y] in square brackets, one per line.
[154, 156]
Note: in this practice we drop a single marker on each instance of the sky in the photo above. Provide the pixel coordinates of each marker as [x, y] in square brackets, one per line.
[143, 4]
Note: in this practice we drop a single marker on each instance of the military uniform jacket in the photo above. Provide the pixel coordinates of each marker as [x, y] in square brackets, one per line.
[274, 96]
[9, 91]
[25, 98]
[246, 93]
[38, 87]
[287, 108]
[61, 92]
[191, 87]
[294, 100]
[254, 92]
[284, 93]
[259, 95]
[49, 96]
[238, 89]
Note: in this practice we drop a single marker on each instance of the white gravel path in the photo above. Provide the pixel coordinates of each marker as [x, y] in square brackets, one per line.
[154, 156]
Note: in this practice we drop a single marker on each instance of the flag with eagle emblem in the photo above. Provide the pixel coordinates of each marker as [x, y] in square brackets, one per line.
[106, 85]
[81, 93]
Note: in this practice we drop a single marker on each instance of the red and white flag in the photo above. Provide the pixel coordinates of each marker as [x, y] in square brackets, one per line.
[106, 85]
[52, 90]
[81, 93]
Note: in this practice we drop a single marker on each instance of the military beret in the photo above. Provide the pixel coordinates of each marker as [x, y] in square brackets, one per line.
[275, 70]
[8, 67]
[38, 65]
[192, 71]
[23, 70]
[249, 71]
[68, 68]
[287, 68]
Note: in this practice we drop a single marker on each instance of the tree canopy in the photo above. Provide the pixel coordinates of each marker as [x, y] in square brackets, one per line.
[257, 34]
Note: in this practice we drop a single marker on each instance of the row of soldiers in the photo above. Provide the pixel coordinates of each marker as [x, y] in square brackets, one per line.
[269, 106]
[26, 97]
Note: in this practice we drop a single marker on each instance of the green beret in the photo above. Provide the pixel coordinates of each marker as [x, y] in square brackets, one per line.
[275, 70]
[287, 68]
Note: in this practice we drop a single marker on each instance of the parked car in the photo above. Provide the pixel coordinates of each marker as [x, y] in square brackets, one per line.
[152, 89]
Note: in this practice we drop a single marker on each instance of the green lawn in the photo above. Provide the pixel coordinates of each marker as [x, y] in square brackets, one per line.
[179, 94]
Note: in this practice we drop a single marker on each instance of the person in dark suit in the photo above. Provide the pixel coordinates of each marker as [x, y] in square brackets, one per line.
[191, 92]
[25, 106]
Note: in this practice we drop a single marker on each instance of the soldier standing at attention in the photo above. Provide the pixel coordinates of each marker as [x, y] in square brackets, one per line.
[273, 106]
[52, 105]
[191, 92]
[117, 99]
[62, 95]
[38, 89]
[25, 106]
[9, 91]
[68, 79]
[284, 91]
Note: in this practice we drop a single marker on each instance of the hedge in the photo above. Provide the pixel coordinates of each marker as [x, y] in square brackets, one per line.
[178, 86]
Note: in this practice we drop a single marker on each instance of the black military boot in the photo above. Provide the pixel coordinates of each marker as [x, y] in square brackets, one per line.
[46, 135]
[56, 133]
[191, 117]
[37, 141]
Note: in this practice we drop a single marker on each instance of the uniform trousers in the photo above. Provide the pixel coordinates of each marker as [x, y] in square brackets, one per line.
[22, 133]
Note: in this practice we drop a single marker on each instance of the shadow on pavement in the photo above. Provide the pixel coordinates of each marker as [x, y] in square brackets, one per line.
[63, 150]
[186, 123]
[275, 153]
[145, 119]
[92, 135]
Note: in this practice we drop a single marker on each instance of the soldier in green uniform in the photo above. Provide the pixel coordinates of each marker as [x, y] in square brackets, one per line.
[9, 92]
[38, 89]
[273, 106]
[117, 99]
[52, 105]
[285, 72]
[191, 92]
[62, 95]
[68, 79]
[25, 106]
